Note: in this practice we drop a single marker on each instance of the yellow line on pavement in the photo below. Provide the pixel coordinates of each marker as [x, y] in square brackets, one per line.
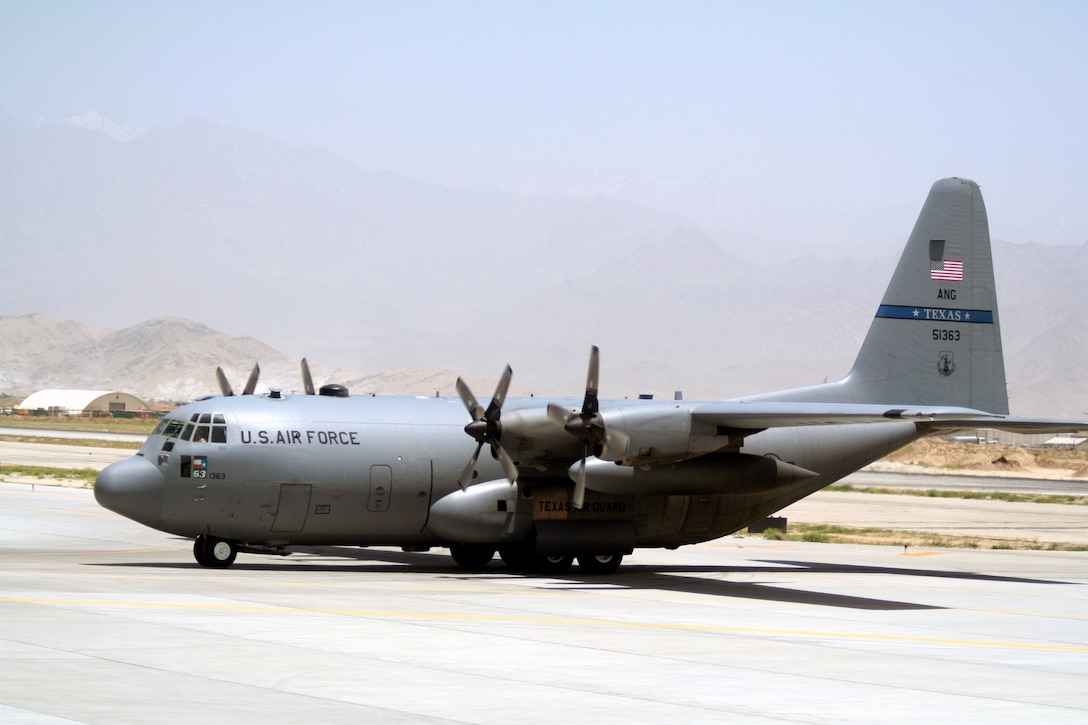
[554, 621]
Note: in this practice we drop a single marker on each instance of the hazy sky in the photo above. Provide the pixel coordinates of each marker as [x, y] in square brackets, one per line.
[837, 105]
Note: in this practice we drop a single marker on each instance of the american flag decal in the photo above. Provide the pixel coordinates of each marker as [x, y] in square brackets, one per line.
[946, 270]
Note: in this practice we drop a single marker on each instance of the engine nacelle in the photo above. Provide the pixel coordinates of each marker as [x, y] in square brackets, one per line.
[483, 514]
[656, 434]
[724, 474]
[530, 436]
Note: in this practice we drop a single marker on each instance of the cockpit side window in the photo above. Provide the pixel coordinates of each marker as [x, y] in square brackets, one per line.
[170, 427]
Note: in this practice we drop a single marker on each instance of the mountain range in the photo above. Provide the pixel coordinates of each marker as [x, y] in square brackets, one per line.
[141, 261]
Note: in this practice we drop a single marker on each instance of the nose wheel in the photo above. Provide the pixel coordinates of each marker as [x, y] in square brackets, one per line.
[213, 552]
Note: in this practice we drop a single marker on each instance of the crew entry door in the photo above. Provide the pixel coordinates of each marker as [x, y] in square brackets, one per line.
[293, 506]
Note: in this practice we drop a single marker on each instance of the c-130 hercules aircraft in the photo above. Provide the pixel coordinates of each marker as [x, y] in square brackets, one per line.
[589, 480]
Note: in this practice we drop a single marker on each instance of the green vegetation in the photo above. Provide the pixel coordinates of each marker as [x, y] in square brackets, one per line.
[64, 422]
[44, 475]
[832, 534]
[82, 442]
[981, 495]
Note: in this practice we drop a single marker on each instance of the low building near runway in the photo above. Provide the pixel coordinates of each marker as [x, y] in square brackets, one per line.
[79, 402]
[1073, 443]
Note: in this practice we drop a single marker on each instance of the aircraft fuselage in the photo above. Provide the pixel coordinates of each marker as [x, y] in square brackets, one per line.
[270, 472]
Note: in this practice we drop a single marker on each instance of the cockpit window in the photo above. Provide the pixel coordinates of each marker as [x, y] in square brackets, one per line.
[169, 427]
[205, 428]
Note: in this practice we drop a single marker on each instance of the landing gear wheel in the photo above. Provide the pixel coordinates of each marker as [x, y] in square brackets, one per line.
[214, 553]
[520, 558]
[599, 563]
[473, 557]
[517, 557]
[554, 564]
[198, 551]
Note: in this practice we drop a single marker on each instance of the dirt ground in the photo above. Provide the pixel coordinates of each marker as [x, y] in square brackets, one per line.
[935, 455]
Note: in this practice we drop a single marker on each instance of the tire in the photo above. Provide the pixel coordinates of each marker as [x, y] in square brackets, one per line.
[520, 558]
[472, 557]
[198, 551]
[219, 553]
[517, 557]
[554, 564]
[599, 563]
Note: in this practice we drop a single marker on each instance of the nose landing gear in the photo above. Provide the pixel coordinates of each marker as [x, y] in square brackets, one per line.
[213, 552]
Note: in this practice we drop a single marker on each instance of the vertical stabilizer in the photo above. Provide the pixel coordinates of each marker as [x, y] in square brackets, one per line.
[935, 339]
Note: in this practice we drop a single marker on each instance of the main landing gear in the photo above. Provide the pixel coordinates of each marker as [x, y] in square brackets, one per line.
[520, 558]
[599, 563]
[214, 553]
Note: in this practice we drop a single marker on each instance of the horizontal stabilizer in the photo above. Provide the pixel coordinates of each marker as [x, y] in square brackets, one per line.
[1011, 424]
[760, 415]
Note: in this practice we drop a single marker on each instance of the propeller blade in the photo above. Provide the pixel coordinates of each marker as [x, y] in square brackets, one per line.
[224, 384]
[307, 379]
[470, 470]
[578, 497]
[469, 400]
[508, 468]
[500, 395]
[251, 384]
[589, 405]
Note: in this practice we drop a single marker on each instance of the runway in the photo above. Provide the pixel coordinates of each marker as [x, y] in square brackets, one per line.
[58, 455]
[104, 621]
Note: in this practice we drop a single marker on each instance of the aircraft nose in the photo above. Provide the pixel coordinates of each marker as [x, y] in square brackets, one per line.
[133, 488]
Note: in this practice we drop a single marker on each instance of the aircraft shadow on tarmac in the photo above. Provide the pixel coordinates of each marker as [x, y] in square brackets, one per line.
[682, 578]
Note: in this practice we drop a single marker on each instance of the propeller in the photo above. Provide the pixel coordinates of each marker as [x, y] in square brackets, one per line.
[486, 428]
[587, 425]
[251, 384]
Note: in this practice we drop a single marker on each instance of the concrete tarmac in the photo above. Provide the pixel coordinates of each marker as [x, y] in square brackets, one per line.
[105, 621]
[57, 455]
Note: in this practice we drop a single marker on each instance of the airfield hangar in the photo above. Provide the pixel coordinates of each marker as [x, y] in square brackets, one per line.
[79, 402]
